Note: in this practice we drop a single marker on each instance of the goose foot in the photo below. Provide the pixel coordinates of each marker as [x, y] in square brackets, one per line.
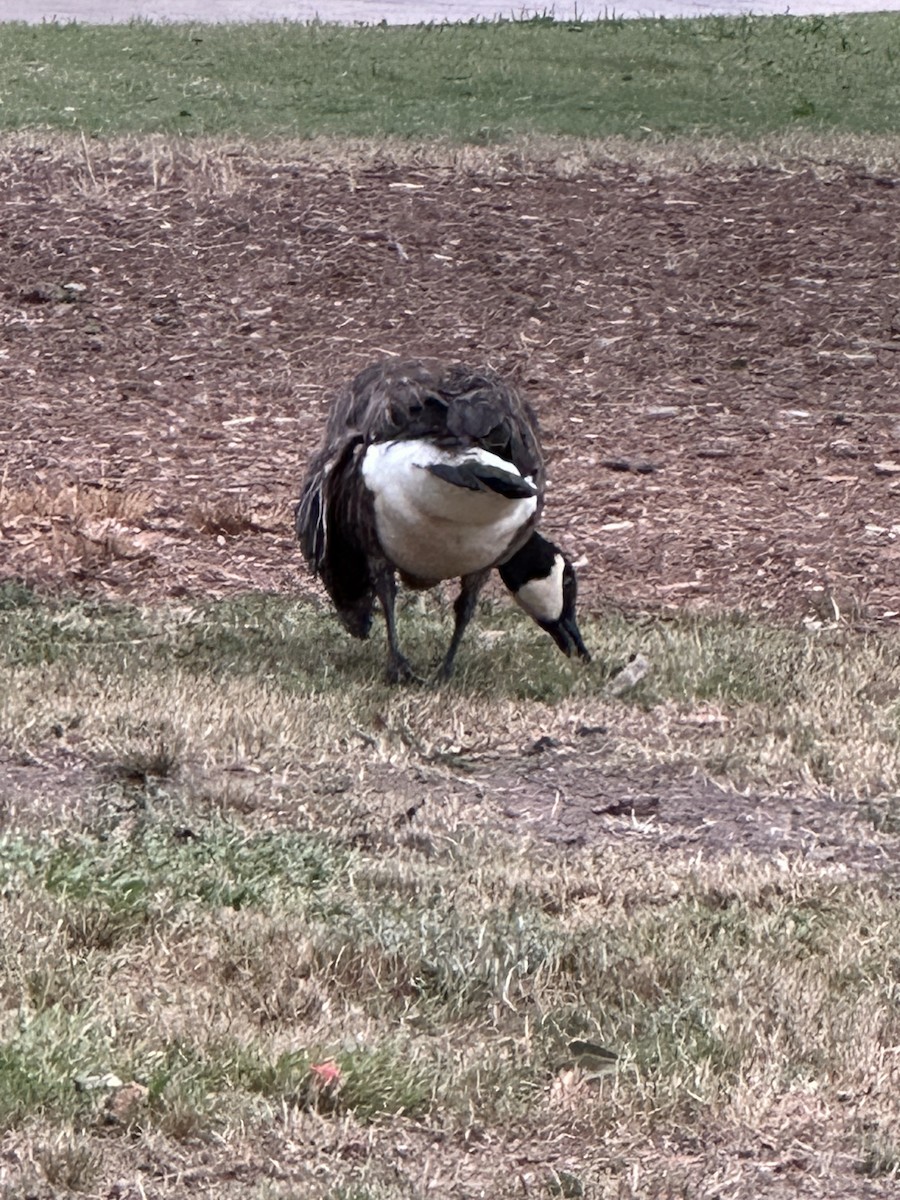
[399, 670]
[443, 673]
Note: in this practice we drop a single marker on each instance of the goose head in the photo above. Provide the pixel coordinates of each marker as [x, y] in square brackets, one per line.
[543, 583]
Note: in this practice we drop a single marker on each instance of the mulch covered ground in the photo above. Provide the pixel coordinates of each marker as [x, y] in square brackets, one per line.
[713, 353]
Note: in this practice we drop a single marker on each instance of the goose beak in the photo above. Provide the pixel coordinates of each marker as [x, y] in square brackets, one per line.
[566, 634]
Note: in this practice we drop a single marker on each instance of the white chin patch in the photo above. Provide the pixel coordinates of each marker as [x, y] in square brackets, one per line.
[542, 599]
[428, 527]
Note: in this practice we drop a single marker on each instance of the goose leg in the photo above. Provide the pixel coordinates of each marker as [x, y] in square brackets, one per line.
[464, 608]
[398, 668]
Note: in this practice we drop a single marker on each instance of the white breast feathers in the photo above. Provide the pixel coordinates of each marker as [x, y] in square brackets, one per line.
[431, 528]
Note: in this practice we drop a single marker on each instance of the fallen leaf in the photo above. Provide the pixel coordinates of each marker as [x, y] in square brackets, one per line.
[328, 1073]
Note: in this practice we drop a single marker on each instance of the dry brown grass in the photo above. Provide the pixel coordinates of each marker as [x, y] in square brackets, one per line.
[79, 529]
[211, 163]
[275, 862]
[74, 502]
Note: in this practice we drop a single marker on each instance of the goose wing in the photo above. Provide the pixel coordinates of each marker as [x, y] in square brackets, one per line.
[448, 403]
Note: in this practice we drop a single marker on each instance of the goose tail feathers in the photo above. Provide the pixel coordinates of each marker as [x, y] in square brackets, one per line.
[480, 477]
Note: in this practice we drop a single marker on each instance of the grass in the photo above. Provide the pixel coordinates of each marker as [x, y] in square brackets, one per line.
[482, 82]
[446, 989]
[245, 681]
[237, 915]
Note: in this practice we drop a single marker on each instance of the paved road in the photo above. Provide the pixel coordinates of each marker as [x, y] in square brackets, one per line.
[404, 12]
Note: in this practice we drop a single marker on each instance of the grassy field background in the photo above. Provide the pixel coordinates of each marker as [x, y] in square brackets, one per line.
[272, 929]
[480, 82]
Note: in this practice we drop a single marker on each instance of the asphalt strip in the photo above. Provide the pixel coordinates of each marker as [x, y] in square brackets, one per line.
[408, 12]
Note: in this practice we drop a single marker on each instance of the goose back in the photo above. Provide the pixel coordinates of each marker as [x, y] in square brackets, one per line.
[449, 404]
[432, 471]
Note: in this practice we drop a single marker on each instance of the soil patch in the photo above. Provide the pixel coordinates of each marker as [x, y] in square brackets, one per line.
[713, 355]
[563, 796]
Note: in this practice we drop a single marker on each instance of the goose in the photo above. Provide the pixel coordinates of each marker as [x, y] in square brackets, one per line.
[432, 471]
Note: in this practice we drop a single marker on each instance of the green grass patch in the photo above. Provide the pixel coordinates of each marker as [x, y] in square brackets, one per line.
[443, 985]
[481, 82]
[213, 865]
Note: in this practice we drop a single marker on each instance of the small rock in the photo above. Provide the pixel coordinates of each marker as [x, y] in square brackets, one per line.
[123, 1105]
[92, 1083]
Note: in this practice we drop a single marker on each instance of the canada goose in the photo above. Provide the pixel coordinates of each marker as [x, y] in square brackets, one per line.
[434, 471]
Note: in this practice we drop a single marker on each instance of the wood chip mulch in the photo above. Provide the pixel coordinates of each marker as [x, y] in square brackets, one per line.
[714, 356]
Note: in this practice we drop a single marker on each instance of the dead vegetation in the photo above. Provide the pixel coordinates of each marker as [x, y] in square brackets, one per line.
[275, 926]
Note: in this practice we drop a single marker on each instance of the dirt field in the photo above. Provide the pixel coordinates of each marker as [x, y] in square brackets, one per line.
[713, 354]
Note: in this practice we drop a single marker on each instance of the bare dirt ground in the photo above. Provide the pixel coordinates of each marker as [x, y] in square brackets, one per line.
[713, 352]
